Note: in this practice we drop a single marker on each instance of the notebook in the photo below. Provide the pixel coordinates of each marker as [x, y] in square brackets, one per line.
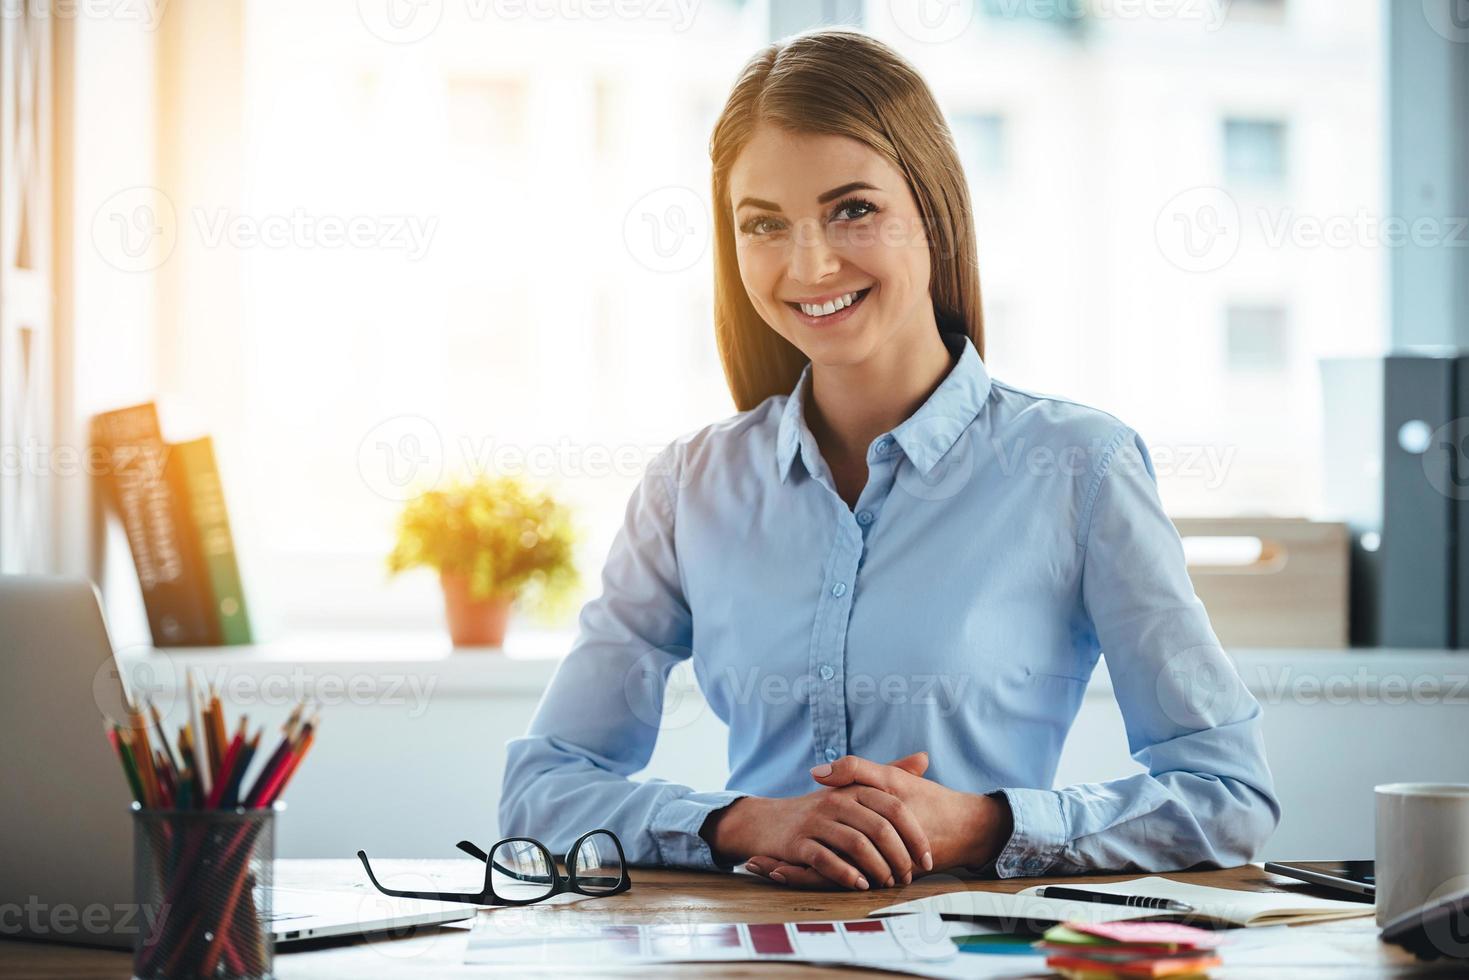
[1214, 906]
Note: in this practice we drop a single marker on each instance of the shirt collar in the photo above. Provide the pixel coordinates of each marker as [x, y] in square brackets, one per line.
[925, 436]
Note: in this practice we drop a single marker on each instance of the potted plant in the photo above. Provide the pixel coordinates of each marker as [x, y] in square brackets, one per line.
[494, 542]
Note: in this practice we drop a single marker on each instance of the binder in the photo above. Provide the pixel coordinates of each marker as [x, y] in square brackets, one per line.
[1418, 532]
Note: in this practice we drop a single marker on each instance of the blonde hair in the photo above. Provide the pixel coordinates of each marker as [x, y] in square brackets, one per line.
[841, 82]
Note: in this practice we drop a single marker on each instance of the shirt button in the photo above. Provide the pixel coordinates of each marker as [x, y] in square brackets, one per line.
[884, 444]
[826, 672]
[839, 590]
[864, 517]
[832, 755]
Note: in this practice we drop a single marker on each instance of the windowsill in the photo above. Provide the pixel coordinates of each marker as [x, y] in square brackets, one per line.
[529, 660]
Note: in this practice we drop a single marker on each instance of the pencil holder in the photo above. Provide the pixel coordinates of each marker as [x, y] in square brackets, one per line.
[201, 879]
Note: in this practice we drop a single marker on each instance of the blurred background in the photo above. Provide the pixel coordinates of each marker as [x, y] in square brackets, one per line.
[368, 246]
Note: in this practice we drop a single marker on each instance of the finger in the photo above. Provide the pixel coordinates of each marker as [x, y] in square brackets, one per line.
[797, 876]
[762, 865]
[817, 855]
[851, 769]
[917, 763]
[880, 831]
[897, 813]
[855, 846]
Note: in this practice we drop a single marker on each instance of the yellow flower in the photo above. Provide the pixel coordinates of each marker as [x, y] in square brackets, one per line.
[509, 539]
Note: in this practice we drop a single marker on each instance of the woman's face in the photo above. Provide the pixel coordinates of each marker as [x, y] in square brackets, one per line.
[824, 220]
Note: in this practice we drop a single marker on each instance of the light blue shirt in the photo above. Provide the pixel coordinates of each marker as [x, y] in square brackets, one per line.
[1003, 541]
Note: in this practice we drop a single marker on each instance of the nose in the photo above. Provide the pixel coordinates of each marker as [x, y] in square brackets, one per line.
[812, 257]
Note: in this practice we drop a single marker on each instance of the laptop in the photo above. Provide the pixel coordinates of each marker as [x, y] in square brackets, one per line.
[66, 834]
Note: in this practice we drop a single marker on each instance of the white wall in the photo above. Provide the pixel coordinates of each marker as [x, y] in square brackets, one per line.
[411, 752]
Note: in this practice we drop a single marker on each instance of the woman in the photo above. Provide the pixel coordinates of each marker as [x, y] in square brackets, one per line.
[887, 554]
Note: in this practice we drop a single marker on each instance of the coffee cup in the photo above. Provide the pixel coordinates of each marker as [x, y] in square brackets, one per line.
[1422, 845]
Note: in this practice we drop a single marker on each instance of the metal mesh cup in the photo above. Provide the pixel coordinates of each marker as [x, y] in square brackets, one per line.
[201, 879]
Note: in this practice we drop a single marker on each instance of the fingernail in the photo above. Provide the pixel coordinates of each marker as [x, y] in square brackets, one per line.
[750, 866]
[822, 770]
[861, 883]
[777, 876]
[908, 878]
[891, 882]
[927, 861]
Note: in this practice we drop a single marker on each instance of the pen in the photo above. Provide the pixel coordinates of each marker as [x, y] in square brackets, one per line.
[1107, 898]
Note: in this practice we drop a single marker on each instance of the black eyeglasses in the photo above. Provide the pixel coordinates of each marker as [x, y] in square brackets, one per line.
[520, 870]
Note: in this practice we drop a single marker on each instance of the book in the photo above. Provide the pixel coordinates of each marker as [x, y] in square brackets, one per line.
[194, 475]
[1213, 906]
[158, 528]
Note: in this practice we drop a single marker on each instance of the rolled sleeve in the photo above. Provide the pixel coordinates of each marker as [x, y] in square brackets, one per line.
[676, 828]
[1039, 833]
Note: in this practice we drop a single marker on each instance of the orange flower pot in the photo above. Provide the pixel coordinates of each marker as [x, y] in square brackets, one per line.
[473, 622]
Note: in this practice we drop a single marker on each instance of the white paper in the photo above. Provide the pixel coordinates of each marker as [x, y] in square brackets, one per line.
[894, 944]
[1222, 904]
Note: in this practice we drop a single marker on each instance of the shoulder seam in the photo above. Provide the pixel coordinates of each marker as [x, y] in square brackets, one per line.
[1103, 467]
[1041, 396]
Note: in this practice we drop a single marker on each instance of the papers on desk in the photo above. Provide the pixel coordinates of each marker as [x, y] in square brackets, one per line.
[906, 944]
[1218, 906]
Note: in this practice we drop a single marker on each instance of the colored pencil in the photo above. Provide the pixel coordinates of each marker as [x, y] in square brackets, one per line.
[143, 753]
[196, 734]
[127, 762]
[162, 738]
[220, 742]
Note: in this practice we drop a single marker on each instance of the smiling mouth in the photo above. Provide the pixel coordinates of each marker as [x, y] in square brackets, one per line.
[831, 309]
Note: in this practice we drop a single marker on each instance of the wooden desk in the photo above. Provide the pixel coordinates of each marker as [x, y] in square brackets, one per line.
[686, 897]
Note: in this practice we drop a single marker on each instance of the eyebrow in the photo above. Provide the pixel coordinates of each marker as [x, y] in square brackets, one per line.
[831, 195]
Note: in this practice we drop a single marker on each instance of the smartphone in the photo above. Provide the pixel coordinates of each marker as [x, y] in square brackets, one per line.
[1349, 876]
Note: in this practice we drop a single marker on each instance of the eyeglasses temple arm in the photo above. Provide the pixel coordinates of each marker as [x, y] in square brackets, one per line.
[430, 896]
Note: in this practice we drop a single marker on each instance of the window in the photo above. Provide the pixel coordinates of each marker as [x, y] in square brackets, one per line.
[981, 141]
[1256, 339]
[536, 284]
[1255, 151]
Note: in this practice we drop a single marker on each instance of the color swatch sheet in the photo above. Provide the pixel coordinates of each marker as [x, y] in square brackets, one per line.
[906, 939]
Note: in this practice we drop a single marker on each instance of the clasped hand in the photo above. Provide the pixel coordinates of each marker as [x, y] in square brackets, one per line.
[870, 825]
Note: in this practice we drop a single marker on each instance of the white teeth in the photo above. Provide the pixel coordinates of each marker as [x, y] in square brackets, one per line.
[826, 309]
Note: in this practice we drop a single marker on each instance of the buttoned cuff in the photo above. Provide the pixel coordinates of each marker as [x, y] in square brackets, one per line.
[1039, 834]
[676, 830]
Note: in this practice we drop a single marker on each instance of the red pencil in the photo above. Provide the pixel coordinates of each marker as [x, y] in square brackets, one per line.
[226, 769]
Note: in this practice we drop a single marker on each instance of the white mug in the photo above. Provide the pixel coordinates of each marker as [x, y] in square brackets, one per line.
[1422, 845]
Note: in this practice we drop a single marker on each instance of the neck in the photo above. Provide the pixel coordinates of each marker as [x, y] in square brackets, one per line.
[852, 404]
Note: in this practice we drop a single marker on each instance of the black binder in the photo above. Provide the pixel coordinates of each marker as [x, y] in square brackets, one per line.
[1419, 590]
